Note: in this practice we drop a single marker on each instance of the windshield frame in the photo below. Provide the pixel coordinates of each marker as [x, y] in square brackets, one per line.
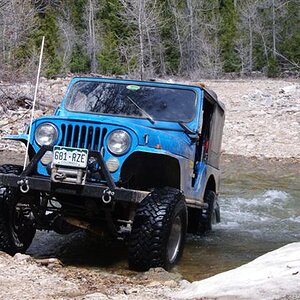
[161, 85]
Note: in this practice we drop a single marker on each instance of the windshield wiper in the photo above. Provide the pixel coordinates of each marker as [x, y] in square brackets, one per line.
[186, 129]
[145, 114]
[193, 135]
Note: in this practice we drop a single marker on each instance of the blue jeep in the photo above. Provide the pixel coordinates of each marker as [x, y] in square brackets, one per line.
[133, 160]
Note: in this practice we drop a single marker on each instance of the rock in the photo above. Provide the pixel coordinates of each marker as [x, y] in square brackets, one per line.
[159, 275]
[130, 291]
[274, 275]
[50, 262]
[260, 98]
[154, 283]
[291, 89]
[4, 255]
[170, 283]
[54, 266]
[94, 296]
[21, 257]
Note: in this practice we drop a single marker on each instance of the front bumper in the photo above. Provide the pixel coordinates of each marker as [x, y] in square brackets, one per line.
[28, 182]
[92, 190]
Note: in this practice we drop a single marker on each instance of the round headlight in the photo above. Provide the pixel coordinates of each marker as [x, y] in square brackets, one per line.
[46, 134]
[118, 142]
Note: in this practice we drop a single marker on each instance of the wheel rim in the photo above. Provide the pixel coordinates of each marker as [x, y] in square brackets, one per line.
[174, 239]
[214, 217]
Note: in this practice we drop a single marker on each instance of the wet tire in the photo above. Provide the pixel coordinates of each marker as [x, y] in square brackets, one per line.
[211, 215]
[16, 228]
[158, 231]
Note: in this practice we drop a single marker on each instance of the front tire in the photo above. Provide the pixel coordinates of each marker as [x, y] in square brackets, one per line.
[158, 231]
[16, 227]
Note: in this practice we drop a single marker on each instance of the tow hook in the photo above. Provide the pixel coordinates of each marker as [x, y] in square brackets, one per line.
[59, 177]
[24, 186]
[107, 196]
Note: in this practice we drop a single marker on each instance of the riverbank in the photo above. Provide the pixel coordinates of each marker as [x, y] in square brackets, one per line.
[275, 275]
[23, 277]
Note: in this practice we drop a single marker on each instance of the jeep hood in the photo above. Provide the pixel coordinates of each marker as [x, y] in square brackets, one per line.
[166, 137]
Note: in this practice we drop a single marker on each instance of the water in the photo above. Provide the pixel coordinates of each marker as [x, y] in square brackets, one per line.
[260, 210]
[260, 206]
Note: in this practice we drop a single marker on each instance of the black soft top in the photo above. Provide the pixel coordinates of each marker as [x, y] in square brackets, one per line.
[211, 94]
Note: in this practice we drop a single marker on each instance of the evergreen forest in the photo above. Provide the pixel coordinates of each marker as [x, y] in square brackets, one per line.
[151, 38]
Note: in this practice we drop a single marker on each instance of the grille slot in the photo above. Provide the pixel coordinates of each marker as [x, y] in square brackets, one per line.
[83, 136]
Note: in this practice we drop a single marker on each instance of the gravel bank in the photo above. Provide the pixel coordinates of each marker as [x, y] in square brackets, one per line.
[23, 277]
[262, 117]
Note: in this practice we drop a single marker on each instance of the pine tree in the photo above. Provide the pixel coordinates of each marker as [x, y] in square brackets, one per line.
[48, 28]
[228, 35]
[79, 61]
[289, 47]
[113, 33]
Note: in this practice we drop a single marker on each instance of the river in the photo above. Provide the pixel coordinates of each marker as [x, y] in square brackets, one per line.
[260, 211]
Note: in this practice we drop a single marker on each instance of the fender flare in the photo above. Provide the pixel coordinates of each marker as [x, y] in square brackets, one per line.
[23, 138]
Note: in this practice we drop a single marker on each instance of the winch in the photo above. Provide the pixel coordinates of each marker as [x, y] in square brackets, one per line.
[68, 175]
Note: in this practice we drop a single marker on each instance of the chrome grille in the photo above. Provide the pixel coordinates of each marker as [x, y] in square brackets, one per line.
[83, 136]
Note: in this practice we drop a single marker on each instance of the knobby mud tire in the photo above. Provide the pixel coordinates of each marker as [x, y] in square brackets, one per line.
[160, 215]
[211, 215]
[12, 241]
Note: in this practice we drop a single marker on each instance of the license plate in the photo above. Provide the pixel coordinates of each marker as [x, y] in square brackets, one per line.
[70, 157]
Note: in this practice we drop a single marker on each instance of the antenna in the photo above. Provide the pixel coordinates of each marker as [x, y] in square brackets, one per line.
[34, 101]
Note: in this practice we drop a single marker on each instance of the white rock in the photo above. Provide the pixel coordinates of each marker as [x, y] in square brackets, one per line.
[94, 296]
[21, 257]
[291, 89]
[271, 276]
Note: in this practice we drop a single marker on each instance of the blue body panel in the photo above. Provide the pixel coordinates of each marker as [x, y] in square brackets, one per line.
[160, 138]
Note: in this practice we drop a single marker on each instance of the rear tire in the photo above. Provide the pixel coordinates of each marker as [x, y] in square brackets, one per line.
[158, 231]
[16, 227]
[211, 215]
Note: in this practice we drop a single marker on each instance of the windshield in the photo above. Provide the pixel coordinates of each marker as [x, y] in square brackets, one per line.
[158, 103]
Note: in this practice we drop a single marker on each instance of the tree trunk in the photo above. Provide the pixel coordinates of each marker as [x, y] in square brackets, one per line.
[191, 36]
[274, 28]
[161, 57]
[151, 67]
[178, 35]
[92, 38]
[141, 31]
[250, 46]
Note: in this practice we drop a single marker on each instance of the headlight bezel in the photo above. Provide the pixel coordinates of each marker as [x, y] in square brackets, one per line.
[53, 138]
[127, 142]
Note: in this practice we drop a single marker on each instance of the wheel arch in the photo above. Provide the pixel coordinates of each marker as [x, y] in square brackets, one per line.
[144, 170]
[23, 139]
